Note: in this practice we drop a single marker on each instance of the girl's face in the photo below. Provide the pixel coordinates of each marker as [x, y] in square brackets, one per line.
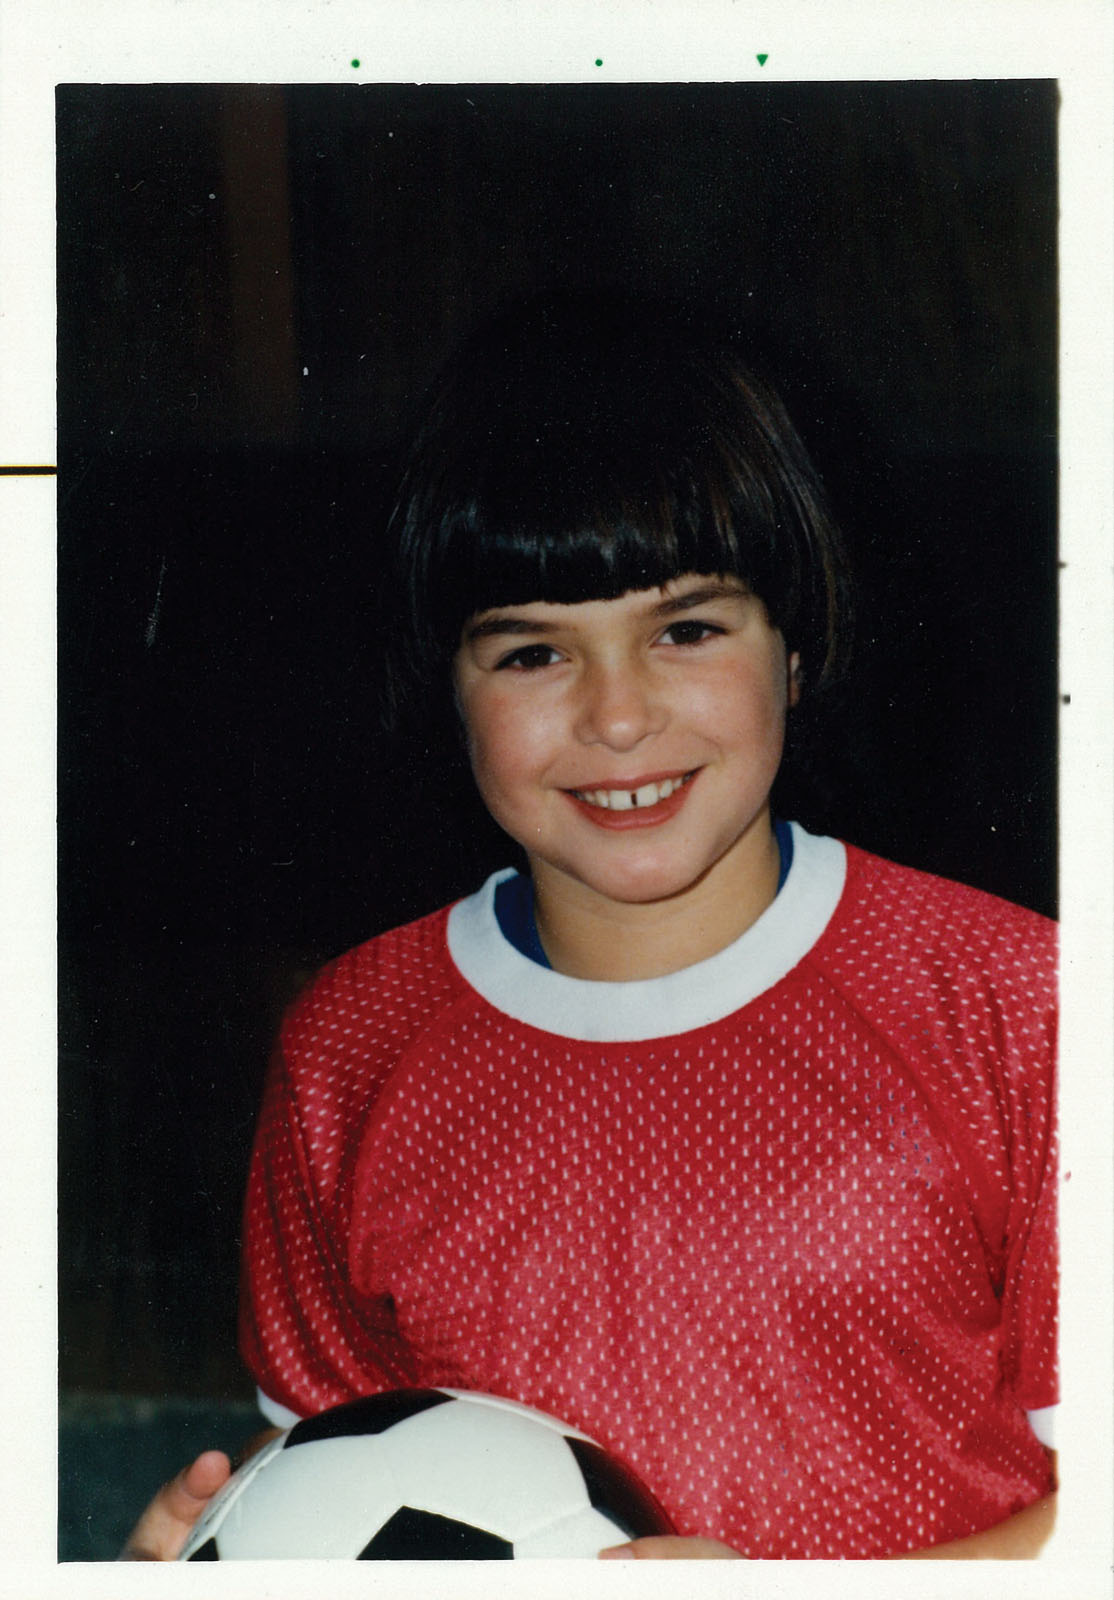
[629, 745]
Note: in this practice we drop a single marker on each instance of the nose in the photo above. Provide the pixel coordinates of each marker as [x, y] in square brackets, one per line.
[618, 706]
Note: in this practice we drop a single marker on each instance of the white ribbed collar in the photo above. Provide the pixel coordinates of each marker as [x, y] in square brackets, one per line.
[652, 1008]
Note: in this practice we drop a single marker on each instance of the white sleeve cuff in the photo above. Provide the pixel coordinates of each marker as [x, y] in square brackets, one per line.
[281, 1416]
[1043, 1424]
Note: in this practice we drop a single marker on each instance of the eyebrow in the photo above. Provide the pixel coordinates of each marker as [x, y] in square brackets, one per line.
[491, 627]
[503, 624]
[714, 589]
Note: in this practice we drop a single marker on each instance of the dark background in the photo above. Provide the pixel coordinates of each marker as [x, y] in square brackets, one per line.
[255, 284]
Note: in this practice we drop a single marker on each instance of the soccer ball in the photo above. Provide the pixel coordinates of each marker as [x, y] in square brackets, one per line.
[426, 1475]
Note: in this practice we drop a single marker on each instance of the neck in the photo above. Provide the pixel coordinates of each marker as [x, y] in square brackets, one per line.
[588, 935]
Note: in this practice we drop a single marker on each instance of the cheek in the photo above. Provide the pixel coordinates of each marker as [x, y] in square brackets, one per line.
[744, 708]
[500, 741]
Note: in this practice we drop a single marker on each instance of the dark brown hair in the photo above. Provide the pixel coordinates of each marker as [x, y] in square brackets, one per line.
[576, 449]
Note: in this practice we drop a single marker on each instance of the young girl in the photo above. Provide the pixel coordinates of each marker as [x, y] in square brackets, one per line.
[727, 1143]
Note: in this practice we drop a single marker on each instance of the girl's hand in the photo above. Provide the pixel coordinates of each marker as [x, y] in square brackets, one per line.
[163, 1528]
[671, 1548]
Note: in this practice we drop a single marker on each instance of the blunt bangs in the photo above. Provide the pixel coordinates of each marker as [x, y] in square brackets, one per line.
[579, 450]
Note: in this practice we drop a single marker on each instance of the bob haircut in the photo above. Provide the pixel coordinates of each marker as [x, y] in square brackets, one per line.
[576, 449]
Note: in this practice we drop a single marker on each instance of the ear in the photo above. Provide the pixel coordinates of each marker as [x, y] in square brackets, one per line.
[794, 665]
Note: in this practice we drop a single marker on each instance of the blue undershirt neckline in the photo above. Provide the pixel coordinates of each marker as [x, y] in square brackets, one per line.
[514, 901]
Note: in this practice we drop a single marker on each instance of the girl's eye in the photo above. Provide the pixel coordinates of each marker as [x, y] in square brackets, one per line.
[527, 658]
[690, 631]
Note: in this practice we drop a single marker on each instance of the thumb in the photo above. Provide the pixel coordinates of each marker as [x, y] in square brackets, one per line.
[163, 1528]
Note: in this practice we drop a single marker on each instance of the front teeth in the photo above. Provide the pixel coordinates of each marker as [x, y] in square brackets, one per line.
[631, 799]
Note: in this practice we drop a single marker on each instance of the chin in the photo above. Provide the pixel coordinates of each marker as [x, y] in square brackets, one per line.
[644, 884]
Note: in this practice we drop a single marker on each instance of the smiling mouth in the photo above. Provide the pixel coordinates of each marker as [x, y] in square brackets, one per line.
[640, 799]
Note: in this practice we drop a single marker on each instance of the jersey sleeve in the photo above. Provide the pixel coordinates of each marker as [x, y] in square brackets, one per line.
[309, 1339]
[1031, 1303]
[1031, 1289]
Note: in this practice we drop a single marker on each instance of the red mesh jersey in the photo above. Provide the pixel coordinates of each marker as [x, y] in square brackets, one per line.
[778, 1229]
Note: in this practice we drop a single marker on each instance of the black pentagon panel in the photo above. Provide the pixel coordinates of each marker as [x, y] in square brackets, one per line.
[206, 1552]
[423, 1536]
[375, 1413]
[618, 1493]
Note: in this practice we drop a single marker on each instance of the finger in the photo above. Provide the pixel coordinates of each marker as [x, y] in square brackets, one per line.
[198, 1483]
[662, 1547]
[163, 1528]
